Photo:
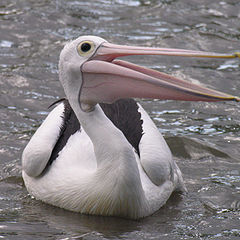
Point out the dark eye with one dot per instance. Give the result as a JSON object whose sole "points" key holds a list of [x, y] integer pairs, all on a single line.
{"points": [[85, 47]]}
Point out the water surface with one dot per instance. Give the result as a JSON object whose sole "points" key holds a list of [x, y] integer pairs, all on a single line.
{"points": [[204, 137]]}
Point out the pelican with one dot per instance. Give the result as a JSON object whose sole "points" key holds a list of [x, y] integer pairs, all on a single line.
{"points": [[98, 152]]}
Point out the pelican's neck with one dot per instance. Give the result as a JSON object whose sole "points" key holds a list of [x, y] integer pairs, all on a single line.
{"points": [[106, 138], [117, 178]]}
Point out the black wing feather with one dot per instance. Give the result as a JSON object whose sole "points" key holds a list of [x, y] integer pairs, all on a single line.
{"points": [[69, 127]]}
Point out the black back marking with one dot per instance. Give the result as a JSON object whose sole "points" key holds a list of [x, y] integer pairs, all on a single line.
{"points": [[123, 114]]}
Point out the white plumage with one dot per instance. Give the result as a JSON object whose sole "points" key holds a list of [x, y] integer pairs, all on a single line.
{"points": [[98, 171], [119, 185]]}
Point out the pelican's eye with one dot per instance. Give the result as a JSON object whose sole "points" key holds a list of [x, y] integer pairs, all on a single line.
{"points": [[85, 47]]}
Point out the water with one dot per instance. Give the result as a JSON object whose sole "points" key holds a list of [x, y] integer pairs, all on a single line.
{"points": [[204, 137]]}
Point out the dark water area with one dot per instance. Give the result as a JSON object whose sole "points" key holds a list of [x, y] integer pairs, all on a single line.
{"points": [[204, 137]]}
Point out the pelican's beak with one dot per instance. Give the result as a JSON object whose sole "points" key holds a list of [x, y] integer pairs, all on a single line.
{"points": [[106, 79]]}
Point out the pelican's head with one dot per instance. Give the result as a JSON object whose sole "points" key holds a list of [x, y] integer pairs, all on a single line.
{"points": [[90, 74], [72, 59]]}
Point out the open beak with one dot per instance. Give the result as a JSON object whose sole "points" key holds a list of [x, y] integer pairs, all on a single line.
{"points": [[107, 80]]}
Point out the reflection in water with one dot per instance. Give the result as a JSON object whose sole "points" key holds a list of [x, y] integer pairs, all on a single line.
{"points": [[106, 226], [203, 137]]}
